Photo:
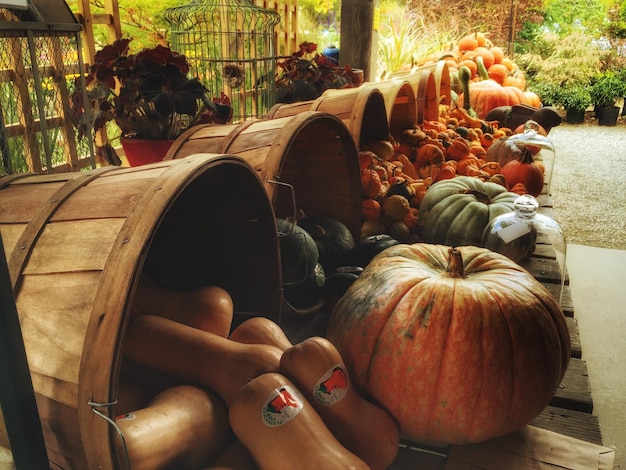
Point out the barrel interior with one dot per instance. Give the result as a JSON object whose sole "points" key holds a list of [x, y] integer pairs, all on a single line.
{"points": [[318, 173], [402, 111], [220, 231], [373, 122]]}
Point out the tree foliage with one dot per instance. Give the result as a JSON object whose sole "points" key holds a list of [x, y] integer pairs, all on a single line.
{"points": [[492, 17]]}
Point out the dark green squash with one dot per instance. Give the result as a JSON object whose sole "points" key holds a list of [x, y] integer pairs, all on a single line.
{"points": [[368, 247], [333, 239], [298, 252], [307, 295]]}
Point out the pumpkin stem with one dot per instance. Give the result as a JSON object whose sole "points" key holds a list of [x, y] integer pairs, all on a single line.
{"points": [[479, 195], [455, 264], [527, 156]]}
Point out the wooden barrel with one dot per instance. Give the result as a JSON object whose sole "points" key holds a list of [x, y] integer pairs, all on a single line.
{"points": [[76, 245], [364, 110], [441, 71], [430, 91], [400, 103], [361, 109], [426, 93], [308, 161]]}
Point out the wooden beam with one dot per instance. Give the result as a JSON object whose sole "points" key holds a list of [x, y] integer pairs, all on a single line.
{"points": [[357, 35], [19, 408]]}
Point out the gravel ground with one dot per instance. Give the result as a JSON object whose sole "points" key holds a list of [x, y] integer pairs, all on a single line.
{"points": [[589, 183]]}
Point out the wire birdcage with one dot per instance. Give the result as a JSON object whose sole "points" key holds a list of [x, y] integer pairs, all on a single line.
{"points": [[230, 46]]}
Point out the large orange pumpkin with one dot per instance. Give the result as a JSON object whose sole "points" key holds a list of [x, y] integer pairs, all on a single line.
{"points": [[489, 94], [458, 345]]}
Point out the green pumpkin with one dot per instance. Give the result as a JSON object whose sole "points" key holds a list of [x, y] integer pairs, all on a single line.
{"points": [[334, 240], [455, 212], [298, 252]]}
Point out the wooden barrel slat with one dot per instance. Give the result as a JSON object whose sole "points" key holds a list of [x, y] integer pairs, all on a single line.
{"points": [[280, 110], [88, 251], [361, 109], [93, 204], [199, 138], [11, 179], [35, 226], [427, 103], [19, 205], [75, 290]]}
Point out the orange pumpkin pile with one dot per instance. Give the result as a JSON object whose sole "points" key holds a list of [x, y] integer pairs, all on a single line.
{"points": [[495, 79], [408, 164]]}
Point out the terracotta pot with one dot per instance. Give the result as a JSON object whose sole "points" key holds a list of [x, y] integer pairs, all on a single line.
{"points": [[142, 151]]}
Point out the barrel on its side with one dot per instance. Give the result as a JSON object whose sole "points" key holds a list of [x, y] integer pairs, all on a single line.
{"points": [[76, 245]]}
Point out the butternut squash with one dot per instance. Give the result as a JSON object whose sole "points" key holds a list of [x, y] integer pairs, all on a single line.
{"points": [[261, 330], [183, 427], [208, 308], [131, 395], [198, 357], [235, 457], [317, 369], [282, 430]]}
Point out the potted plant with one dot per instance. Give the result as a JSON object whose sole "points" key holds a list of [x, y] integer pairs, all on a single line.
{"points": [[306, 74], [148, 95], [605, 90], [575, 99]]}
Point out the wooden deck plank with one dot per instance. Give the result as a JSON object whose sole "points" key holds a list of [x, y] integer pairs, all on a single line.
{"points": [[572, 327], [574, 392], [577, 424]]}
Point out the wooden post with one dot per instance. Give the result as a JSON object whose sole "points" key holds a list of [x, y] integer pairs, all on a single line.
{"points": [[17, 397], [357, 23]]}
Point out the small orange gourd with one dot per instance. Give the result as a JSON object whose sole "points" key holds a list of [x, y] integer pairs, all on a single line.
{"points": [[410, 220], [498, 72], [282, 430], [371, 183], [370, 209], [429, 153], [468, 43], [498, 54], [459, 149], [486, 54]]}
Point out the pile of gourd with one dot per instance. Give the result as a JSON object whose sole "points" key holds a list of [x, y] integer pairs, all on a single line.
{"points": [[399, 177], [397, 174]]}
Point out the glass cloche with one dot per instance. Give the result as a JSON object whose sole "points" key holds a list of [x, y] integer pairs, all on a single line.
{"points": [[523, 232], [540, 146]]}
